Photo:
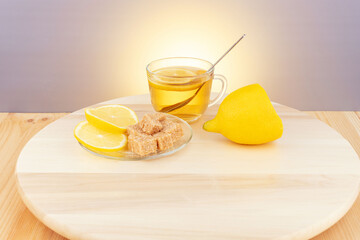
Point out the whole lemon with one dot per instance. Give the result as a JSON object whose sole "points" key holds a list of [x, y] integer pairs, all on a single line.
{"points": [[247, 116]]}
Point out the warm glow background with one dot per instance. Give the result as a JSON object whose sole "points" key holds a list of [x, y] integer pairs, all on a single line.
{"points": [[63, 55]]}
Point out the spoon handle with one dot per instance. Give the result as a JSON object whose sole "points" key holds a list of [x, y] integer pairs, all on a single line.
{"points": [[186, 101], [226, 52]]}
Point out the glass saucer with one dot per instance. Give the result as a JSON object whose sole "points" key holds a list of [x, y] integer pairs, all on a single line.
{"points": [[128, 155]]}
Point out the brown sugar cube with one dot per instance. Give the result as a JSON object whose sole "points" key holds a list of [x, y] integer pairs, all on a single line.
{"points": [[159, 116], [135, 130], [174, 129], [150, 125], [164, 140], [142, 145]]}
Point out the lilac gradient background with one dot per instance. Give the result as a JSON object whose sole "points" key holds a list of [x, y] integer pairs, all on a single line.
{"points": [[58, 56]]}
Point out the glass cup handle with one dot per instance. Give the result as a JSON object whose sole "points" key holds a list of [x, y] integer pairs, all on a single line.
{"points": [[223, 81]]}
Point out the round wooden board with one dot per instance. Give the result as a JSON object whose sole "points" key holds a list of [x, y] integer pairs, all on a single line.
{"points": [[293, 188]]}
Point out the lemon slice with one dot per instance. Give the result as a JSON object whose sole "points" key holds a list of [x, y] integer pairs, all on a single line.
{"points": [[177, 79], [111, 118], [99, 140], [174, 76], [176, 87], [175, 72]]}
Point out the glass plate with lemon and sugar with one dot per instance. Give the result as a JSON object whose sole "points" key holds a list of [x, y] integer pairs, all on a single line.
{"points": [[115, 131]]}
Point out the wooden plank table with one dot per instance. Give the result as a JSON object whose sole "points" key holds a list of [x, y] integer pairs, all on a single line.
{"points": [[16, 222]]}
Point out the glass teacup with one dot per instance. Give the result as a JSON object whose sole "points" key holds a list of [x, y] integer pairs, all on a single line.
{"points": [[182, 85]]}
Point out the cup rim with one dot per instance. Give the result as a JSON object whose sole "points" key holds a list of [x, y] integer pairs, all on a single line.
{"points": [[160, 59]]}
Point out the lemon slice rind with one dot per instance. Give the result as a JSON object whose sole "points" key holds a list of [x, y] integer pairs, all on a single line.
{"points": [[93, 147]]}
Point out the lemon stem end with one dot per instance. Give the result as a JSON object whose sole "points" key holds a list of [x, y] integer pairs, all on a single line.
{"points": [[210, 126]]}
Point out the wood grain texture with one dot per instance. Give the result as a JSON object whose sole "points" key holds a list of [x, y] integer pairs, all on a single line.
{"points": [[348, 125], [293, 188], [16, 222]]}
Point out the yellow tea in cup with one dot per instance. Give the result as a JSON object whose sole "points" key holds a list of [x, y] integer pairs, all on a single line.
{"points": [[178, 84], [181, 90]]}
